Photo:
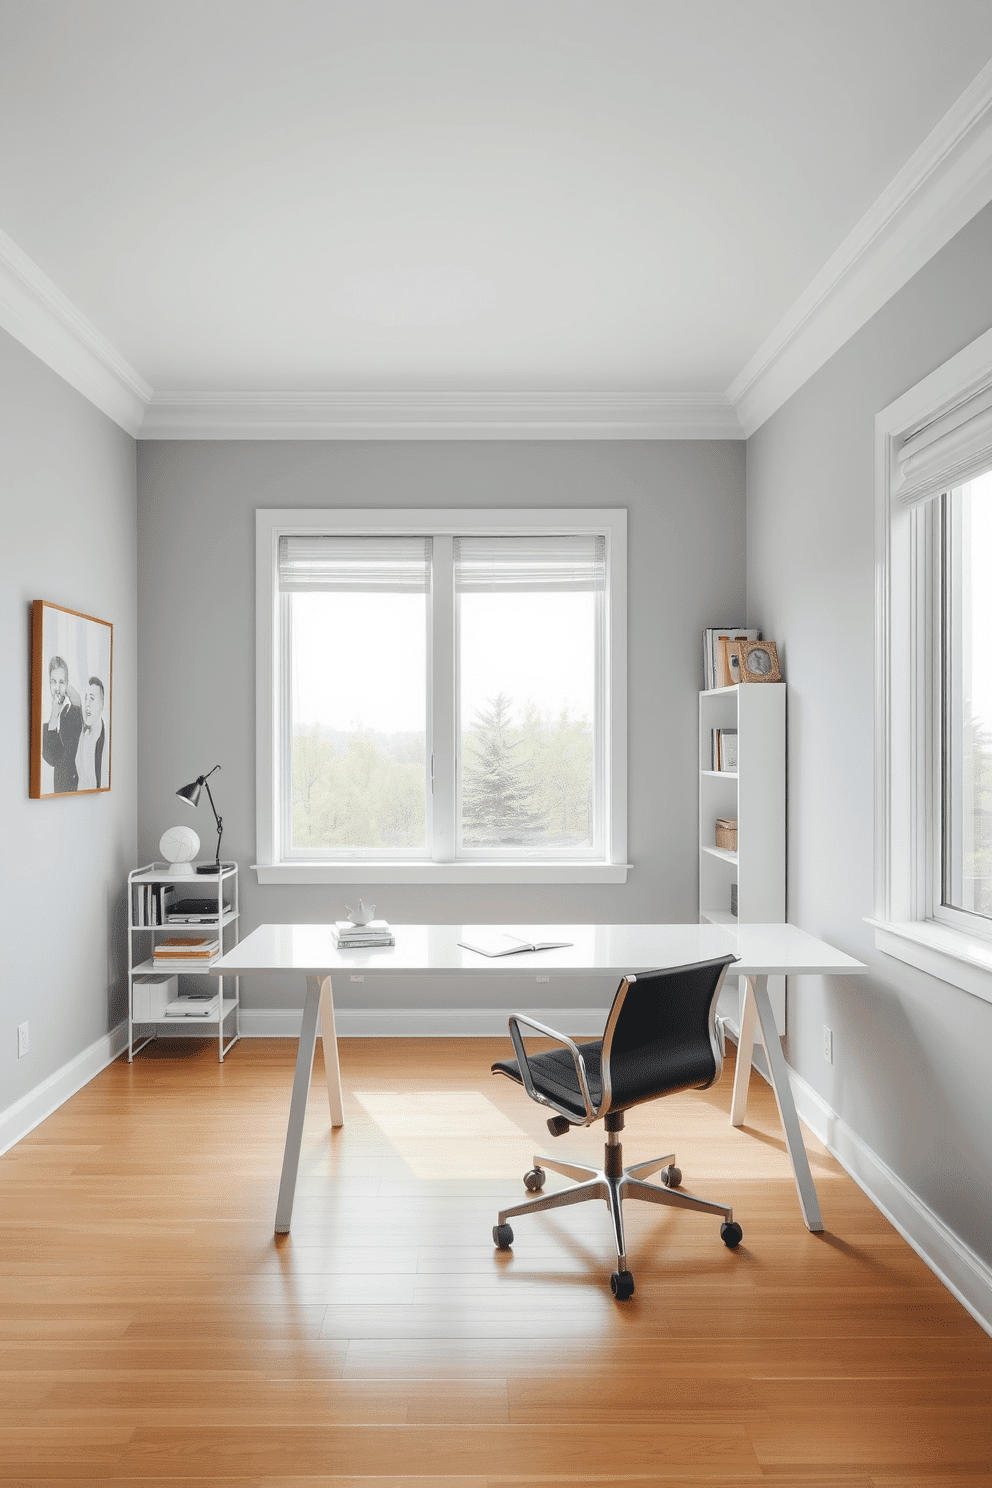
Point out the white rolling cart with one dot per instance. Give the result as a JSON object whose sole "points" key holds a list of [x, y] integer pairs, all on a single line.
{"points": [[754, 796], [142, 939]]}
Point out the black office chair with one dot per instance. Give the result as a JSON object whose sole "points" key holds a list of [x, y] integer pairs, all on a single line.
{"points": [[660, 1037]]}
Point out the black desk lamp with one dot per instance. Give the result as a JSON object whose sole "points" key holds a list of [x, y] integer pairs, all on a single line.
{"points": [[191, 795]]}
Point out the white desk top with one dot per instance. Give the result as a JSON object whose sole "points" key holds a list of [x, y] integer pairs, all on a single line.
{"points": [[609, 949]]}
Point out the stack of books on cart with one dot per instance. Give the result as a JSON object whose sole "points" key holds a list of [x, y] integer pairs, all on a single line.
{"points": [[348, 936], [186, 953]]}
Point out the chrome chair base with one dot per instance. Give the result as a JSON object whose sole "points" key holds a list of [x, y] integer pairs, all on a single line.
{"points": [[613, 1183]]}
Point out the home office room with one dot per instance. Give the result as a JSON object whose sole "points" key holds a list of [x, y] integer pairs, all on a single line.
{"points": [[497, 505]]}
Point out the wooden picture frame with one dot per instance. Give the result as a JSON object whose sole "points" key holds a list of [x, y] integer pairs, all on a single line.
{"points": [[759, 661], [72, 662]]}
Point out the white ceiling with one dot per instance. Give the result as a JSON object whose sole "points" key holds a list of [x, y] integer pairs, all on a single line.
{"points": [[457, 196]]}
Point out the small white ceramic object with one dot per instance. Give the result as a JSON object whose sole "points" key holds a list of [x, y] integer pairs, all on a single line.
{"points": [[179, 846], [362, 914]]}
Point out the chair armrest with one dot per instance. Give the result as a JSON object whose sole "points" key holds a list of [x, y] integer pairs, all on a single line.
{"points": [[580, 1066]]}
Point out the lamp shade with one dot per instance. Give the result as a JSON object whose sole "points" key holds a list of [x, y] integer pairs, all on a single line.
{"points": [[191, 793]]}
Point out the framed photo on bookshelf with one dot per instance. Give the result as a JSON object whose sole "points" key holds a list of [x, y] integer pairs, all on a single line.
{"points": [[759, 661], [71, 683]]}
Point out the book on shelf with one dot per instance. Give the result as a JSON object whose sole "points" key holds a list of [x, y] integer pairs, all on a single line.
{"points": [[195, 911], [502, 943], [726, 749], [186, 951], [161, 897], [179, 943], [717, 662], [193, 1007]]}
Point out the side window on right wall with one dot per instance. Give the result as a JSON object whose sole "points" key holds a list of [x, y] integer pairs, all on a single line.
{"points": [[933, 673], [965, 774]]}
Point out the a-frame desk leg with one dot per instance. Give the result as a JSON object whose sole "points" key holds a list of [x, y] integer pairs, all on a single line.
{"points": [[319, 999], [756, 1004]]}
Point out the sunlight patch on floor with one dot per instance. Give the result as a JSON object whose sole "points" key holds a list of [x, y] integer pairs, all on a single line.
{"points": [[471, 1136]]}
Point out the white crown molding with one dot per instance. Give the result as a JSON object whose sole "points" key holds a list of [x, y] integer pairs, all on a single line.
{"points": [[446, 415], [939, 189], [36, 313]]}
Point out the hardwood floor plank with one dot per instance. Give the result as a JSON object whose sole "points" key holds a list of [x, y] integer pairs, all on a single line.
{"points": [[428, 1450]]}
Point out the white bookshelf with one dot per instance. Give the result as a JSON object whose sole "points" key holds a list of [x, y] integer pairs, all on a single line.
{"points": [[754, 796], [142, 937]]}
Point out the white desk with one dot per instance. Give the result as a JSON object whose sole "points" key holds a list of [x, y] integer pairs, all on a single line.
{"points": [[607, 950]]}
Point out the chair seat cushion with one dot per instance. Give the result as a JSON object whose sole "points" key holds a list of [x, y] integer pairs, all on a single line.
{"points": [[554, 1075]]}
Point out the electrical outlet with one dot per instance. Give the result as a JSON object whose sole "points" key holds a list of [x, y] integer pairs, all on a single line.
{"points": [[542, 979], [22, 1040], [828, 1044], [357, 978]]}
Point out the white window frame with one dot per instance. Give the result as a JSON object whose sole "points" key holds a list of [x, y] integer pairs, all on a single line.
{"points": [[270, 525], [935, 437]]}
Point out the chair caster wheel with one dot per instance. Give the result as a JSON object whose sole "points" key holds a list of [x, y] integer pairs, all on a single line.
{"points": [[534, 1180], [502, 1237], [622, 1285], [671, 1176], [731, 1233]]}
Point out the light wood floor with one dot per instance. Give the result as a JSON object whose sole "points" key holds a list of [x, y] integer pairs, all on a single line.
{"points": [[152, 1329]]}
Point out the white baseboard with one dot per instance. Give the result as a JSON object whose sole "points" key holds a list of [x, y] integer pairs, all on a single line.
{"points": [[962, 1271], [421, 1022], [28, 1112]]}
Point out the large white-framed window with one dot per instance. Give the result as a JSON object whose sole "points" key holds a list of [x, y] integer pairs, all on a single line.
{"points": [[441, 696], [933, 714]]}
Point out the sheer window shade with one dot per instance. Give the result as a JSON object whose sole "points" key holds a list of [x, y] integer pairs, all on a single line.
{"points": [[393, 565], [485, 565], [945, 452]]}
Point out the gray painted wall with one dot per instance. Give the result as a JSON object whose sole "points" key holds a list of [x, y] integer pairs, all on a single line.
{"points": [[196, 510], [910, 1071], [67, 508]]}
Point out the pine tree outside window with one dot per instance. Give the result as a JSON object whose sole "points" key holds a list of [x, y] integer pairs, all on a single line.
{"points": [[529, 644]]}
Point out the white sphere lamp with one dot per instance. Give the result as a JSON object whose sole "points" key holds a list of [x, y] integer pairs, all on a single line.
{"points": [[179, 846]]}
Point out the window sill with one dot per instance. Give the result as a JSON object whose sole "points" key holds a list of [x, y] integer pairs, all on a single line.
{"points": [[963, 960], [441, 873]]}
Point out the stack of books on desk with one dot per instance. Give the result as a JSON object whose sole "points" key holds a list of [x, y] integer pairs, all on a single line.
{"points": [[185, 953], [348, 935]]}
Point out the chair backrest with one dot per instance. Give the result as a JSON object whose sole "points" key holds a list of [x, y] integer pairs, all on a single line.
{"points": [[661, 1034]]}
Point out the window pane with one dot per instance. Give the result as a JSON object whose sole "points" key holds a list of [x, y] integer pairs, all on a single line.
{"points": [[527, 711], [967, 693], [358, 709]]}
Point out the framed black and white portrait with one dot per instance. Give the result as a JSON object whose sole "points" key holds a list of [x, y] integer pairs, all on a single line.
{"points": [[71, 679]]}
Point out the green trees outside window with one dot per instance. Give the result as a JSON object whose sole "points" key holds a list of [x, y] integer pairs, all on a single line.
{"points": [[525, 784]]}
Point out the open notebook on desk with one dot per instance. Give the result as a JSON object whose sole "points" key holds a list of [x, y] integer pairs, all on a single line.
{"points": [[502, 943]]}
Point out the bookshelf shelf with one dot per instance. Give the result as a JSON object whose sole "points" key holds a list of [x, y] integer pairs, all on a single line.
{"points": [[190, 927], [721, 852], [159, 968], [229, 1006], [148, 923]]}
